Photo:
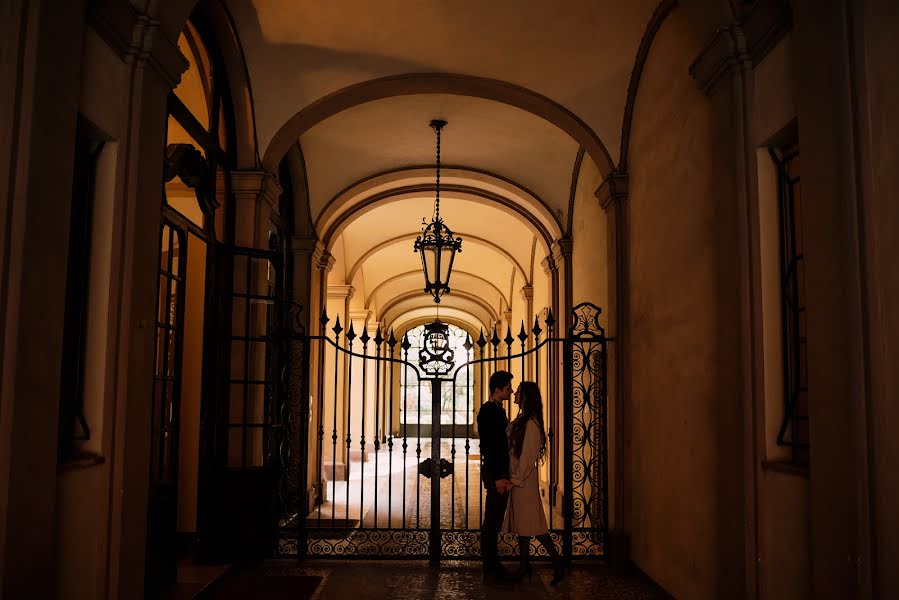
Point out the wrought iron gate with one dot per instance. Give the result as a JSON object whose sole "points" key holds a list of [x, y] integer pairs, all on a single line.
{"points": [[376, 492]]}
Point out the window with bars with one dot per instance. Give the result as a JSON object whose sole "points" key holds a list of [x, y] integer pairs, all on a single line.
{"points": [[794, 428], [73, 426], [251, 379]]}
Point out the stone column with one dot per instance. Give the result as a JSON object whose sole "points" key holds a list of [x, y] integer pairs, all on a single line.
{"points": [[612, 194], [553, 364], [359, 319], [333, 415], [527, 294], [256, 196], [306, 254]]}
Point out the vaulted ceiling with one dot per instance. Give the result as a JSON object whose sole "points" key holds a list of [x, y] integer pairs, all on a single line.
{"points": [[526, 86]]}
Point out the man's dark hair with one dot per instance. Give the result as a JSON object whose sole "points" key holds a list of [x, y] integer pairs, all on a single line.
{"points": [[499, 380]]}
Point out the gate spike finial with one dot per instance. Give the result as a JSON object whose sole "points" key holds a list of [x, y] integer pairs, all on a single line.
{"points": [[324, 318], [537, 330], [406, 344], [495, 339], [351, 333], [522, 336], [378, 337], [550, 320], [481, 341], [337, 328], [391, 341], [364, 337], [467, 343], [509, 339]]}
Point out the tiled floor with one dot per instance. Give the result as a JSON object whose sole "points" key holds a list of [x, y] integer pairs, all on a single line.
{"points": [[409, 580]]}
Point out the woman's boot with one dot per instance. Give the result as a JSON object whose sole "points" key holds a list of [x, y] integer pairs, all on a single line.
{"points": [[524, 550], [558, 566]]}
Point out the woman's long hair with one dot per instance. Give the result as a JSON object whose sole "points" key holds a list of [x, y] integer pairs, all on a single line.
{"points": [[531, 408]]}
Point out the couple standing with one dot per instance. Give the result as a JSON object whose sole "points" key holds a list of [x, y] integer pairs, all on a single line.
{"points": [[510, 454]]}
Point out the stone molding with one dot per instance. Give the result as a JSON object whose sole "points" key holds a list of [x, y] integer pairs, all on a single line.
{"points": [[341, 291], [256, 185], [300, 246], [360, 314], [742, 44], [612, 190], [137, 39], [527, 293], [548, 264]]}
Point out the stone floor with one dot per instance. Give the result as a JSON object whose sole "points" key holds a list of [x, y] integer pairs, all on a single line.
{"points": [[386, 490], [407, 580]]}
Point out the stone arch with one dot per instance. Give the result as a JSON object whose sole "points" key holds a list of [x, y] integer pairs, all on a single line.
{"points": [[438, 83]]}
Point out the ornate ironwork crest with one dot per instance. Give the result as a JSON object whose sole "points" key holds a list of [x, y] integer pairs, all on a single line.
{"points": [[436, 357]]}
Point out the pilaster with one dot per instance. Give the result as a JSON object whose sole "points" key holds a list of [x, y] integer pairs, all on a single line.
{"points": [[255, 199]]}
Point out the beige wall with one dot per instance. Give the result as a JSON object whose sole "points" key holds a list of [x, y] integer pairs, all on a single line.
{"points": [[588, 233], [682, 434]]}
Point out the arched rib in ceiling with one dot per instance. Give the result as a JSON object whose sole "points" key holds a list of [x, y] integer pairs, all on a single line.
{"points": [[420, 179], [409, 239], [483, 262], [456, 183], [423, 315], [417, 278], [447, 193], [459, 300]]}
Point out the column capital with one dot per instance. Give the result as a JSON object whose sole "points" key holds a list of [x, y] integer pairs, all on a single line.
{"points": [[311, 245], [561, 251], [548, 264], [325, 262], [742, 44], [254, 184], [527, 293], [341, 291], [360, 314], [612, 190]]}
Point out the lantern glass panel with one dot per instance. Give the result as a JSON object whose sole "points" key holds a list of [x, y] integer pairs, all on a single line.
{"points": [[446, 262], [429, 260]]}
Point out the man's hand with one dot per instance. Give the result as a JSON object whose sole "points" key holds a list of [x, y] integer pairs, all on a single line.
{"points": [[503, 486]]}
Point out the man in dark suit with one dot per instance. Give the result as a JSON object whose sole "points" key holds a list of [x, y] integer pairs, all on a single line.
{"points": [[492, 423]]}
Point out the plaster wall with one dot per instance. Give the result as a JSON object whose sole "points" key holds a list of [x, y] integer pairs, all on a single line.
{"points": [[682, 432], [879, 229], [589, 262], [519, 316]]}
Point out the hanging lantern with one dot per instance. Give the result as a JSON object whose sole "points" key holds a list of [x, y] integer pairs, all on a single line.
{"points": [[437, 244]]}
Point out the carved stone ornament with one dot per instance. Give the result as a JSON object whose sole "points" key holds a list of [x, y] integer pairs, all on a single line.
{"points": [[188, 164]]}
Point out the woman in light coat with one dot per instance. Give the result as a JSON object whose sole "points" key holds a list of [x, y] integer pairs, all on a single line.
{"points": [[527, 448]]}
